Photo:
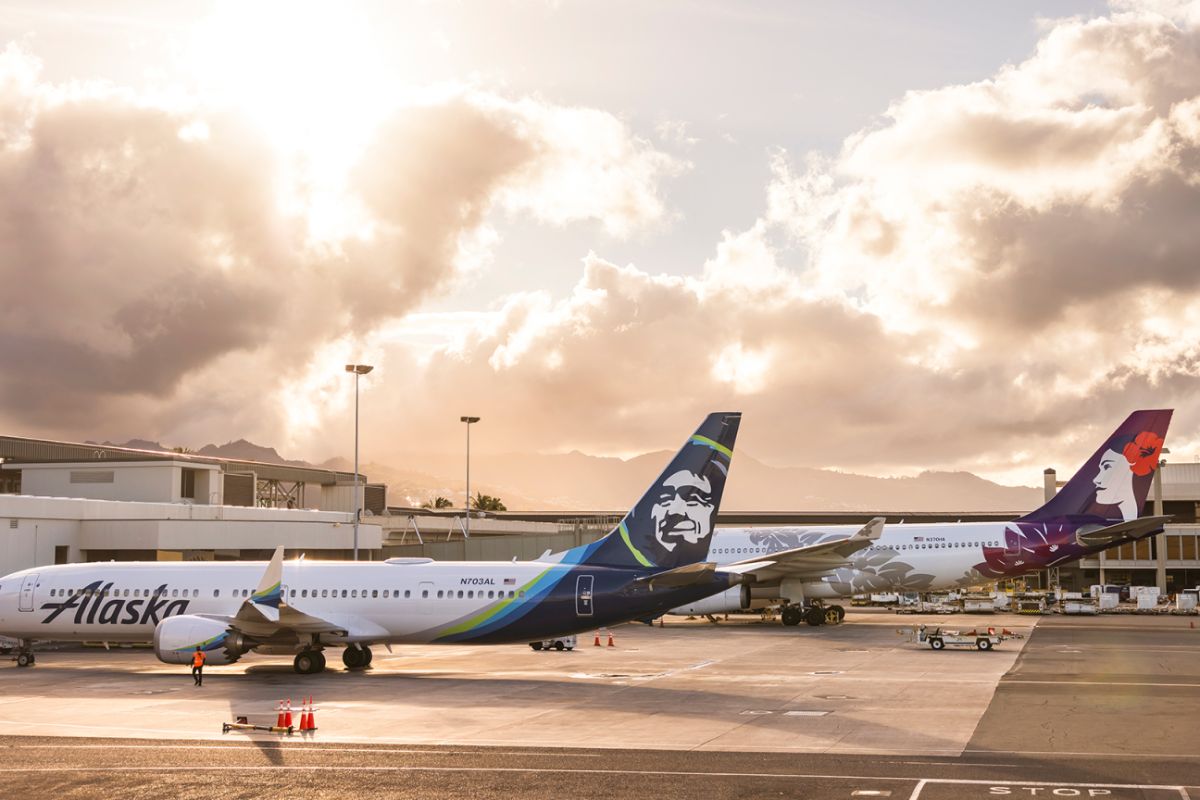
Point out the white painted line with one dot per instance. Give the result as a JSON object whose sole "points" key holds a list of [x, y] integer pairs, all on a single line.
{"points": [[917, 790], [1100, 683], [871, 793], [805, 713]]}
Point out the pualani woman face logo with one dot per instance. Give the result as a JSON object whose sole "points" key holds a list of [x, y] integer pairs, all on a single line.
{"points": [[683, 511], [1123, 459]]}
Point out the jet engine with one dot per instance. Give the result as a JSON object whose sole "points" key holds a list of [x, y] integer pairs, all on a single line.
{"points": [[176, 639]]}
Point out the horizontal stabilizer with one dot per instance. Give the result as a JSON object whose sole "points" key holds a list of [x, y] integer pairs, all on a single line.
{"points": [[1122, 531]]}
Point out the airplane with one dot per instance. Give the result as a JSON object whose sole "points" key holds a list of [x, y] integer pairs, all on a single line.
{"points": [[799, 568], [652, 561]]}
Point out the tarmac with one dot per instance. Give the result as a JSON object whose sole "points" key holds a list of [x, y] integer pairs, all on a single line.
{"points": [[1083, 707]]}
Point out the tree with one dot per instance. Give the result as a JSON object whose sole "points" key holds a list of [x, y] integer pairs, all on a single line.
{"points": [[485, 502], [437, 502]]}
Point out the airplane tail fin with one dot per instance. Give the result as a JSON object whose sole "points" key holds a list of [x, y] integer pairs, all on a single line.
{"points": [[1114, 482], [670, 526]]}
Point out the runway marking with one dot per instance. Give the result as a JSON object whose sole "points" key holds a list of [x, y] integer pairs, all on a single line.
{"points": [[1099, 683], [1182, 790], [920, 785], [301, 746]]}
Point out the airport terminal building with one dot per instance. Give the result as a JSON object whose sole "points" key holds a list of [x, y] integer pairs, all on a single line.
{"points": [[63, 502]]}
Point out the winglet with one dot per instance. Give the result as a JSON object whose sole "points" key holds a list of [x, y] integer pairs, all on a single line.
{"points": [[270, 588], [872, 530]]}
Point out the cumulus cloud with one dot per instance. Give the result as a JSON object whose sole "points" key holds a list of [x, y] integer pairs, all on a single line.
{"points": [[990, 277], [161, 267]]}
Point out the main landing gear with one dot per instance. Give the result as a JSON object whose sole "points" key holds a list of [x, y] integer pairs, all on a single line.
{"points": [[309, 662], [25, 656], [356, 656], [814, 615]]}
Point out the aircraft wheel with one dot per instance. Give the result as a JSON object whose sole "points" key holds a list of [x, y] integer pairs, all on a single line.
{"points": [[536, 645], [937, 644], [354, 658], [791, 615], [983, 644], [841, 613], [24, 660], [308, 662], [559, 646], [815, 616], [367, 656]]}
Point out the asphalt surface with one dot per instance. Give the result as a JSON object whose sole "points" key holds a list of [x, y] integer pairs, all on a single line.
{"points": [[1105, 707]]}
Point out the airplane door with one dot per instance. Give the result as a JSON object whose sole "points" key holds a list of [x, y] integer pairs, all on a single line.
{"points": [[27, 587], [425, 597], [583, 595]]}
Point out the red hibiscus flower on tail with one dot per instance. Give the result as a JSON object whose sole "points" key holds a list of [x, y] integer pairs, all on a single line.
{"points": [[1142, 453]]}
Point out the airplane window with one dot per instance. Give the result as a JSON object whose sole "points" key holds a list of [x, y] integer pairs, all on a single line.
{"points": [[195, 592], [216, 592], [343, 592], [491, 594], [439, 594], [324, 592], [460, 594], [406, 593], [511, 594], [424, 593], [293, 594], [353, 593], [52, 593], [304, 592], [521, 594], [174, 593]]}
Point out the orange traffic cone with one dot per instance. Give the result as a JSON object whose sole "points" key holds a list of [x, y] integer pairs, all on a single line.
{"points": [[287, 714], [610, 640], [279, 719], [597, 642], [312, 716], [303, 715]]}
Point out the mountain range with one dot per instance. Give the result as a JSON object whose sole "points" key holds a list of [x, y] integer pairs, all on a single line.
{"points": [[578, 482]]}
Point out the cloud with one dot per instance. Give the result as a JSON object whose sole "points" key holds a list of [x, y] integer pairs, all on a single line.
{"points": [[168, 269], [991, 277]]}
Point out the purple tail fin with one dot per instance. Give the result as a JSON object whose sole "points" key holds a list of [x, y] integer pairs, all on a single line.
{"points": [[1114, 482]]}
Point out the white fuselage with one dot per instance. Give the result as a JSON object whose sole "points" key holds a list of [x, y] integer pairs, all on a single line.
{"points": [[380, 602], [929, 557]]}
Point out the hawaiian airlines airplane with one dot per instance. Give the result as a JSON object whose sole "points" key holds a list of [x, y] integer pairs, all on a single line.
{"points": [[651, 562], [1097, 509]]}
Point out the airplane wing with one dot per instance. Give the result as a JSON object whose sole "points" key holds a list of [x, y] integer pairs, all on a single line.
{"points": [[1134, 528], [699, 572], [811, 561], [266, 613]]}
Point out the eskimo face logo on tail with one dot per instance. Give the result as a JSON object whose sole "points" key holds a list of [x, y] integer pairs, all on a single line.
{"points": [[1124, 458], [94, 606], [683, 510]]}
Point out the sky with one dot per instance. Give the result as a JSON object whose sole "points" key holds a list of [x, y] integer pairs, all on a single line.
{"points": [[898, 237]]}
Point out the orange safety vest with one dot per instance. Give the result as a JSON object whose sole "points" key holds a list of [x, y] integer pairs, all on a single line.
{"points": [[198, 659]]}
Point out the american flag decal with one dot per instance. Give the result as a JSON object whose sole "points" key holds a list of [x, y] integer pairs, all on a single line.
{"points": [[918, 538], [510, 581]]}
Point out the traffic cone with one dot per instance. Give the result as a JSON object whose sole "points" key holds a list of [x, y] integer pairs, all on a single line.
{"points": [[610, 640], [303, 715], [312, 716], [287, 714], [279, 719], [597, 642]]}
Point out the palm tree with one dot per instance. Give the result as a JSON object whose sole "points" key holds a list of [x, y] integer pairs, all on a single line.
{"points": [[485, 502], [437, 502]]}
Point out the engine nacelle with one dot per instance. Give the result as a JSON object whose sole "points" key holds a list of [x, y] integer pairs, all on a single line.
{"points": [[729, 601], [176, 639]]}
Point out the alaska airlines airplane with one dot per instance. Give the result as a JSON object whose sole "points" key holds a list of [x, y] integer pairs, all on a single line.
{"points": [[1097, 509], [651, 562]]}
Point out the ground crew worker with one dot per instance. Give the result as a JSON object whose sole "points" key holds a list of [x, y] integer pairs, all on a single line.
{"points": [[198, 659]]}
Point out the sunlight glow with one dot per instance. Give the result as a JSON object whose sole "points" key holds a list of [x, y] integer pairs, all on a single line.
{"points": [[310, 77]]}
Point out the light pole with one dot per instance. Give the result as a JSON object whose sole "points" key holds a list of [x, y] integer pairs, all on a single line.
{"points": [[469, 421], [357, 369], [1160, 541]]}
